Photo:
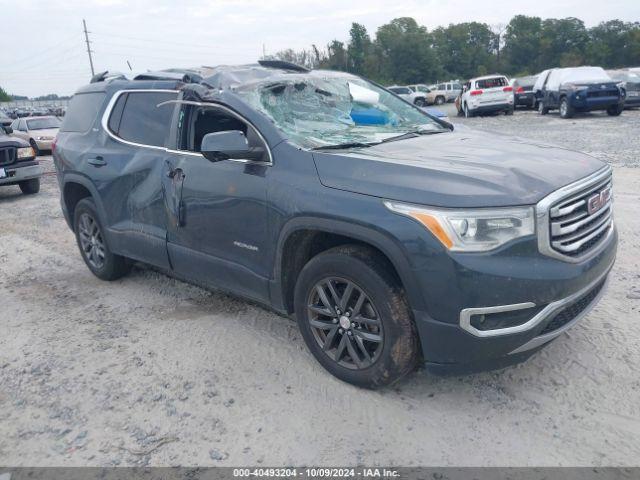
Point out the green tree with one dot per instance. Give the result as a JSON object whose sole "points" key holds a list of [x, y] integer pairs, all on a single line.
{"points": [[4, 96], [611, 44], [522, 44], [405, 52], [359, 49], [464, 49], [563, 42]]}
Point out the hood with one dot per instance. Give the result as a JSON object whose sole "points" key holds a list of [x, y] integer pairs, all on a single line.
{"points": [[458, 169], [9, 141]]}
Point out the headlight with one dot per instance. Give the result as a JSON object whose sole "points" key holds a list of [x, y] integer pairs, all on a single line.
{"points": [[25, 152], [471, 230]]}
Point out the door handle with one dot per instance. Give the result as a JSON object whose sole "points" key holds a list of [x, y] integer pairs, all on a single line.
{"points": [[97, 162]]}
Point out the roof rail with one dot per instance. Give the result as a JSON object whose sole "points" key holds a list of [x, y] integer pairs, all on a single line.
{"points": [[283, 65], [102, 76], [172, 74]]}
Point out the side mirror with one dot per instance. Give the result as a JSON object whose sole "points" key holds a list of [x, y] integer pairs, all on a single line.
{"points": [[218, 146], [8, 130]]}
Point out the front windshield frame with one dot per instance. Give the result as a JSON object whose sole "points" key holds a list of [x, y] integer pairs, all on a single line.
{"points": [[316, 110], [54, 123]]}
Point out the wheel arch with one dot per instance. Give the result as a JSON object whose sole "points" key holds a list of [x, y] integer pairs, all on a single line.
{"points": [[76, 187], [304, 237]]}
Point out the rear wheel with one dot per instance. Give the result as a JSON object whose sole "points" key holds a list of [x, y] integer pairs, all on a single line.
{"points": [[566, 110], [509, 111], [467, 112], [615, 110], [542, 110], [29, 187], [354, 318], [93, 245]]}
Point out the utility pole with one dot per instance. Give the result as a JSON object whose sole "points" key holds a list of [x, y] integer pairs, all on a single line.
{"points": [[86, 38]]}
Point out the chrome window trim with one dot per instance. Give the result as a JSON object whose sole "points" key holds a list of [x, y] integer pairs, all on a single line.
{"points": [[543, 216], [108, 110], [551, 308]]}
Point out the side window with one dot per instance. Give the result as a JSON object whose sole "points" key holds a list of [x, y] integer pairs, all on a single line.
{"points": [[14, 124], [82, 112], [142, 121], [22, 126], [195, 122], [441, 86]]}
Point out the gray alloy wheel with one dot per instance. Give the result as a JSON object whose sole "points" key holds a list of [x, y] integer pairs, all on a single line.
{"points": [[467, 112], [91, 241], [420, 102], [439, 100], [345, 323]]}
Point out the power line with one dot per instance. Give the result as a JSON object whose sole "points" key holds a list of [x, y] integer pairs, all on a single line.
{"points": [[86, 37]]}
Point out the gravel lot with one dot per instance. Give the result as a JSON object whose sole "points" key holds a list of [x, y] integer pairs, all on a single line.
{"points": [[152, 371]]}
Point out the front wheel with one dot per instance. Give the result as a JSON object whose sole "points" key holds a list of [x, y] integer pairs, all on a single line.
{"points": [[95, 252], [439, 100], [420, 102], [614, 110], [30, 187], [34, 145], [354, 318], [566, 110]]}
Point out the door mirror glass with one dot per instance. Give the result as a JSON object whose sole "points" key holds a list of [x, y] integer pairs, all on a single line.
{"points": [[231, 144]]}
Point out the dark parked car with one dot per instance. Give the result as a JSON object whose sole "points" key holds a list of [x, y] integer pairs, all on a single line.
{"points": [[389, 236], [5, 120], [630, 82], [18, 164], [523, 91], [580, 89]]}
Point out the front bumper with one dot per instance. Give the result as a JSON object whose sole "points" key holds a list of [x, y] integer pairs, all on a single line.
{"points": [[17, 174], [563, 292]]}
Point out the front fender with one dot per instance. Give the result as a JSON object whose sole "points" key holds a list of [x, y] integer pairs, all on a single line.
{"points": [[388, 245]]}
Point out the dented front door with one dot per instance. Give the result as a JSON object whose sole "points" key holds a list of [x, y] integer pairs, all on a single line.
{"points": [[218, 222]]}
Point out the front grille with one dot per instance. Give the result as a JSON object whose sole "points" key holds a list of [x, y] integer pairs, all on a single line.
{"points": [[7, 155], [572, 311], [580, 222], [602, 93]]}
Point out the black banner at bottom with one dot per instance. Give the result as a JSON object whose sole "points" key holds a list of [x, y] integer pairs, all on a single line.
{"points": [[409, 473]]}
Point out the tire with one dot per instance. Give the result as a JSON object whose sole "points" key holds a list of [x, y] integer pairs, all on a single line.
{"points": [[614, 110], [566, 110], [420, 102], [509, 111], [34, 145], [93, 245], [542, 110], [439, 100], [467, 113], [30, 187], [372, 353]]}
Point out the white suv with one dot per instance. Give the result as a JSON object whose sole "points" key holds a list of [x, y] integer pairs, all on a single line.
{"points": [[445, 92], [417, 98], [491, 93]]}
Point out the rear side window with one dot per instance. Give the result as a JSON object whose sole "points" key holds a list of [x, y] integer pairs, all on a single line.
{"points": [[492, 82], [137, 118], [82, 112]]}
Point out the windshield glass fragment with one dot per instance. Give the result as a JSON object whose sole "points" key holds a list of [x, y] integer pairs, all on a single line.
{"points": [[321, 110]]}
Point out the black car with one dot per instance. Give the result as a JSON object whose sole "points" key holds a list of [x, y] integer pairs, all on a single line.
{"points": [[580, 89], [18, 164], [391, 238], [523, 91], [630, 82]]}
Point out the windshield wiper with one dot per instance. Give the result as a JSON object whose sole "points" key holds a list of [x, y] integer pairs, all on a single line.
{"points": [[340, 146], [412, 134]]}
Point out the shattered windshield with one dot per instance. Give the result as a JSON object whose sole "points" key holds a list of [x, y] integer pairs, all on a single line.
{"points": [[317, 111]]}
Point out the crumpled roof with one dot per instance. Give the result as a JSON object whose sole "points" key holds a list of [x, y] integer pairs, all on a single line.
{"points": [[230, 76]]}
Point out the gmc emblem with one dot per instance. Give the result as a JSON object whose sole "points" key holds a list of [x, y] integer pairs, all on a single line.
{"points": [[599, 200]]}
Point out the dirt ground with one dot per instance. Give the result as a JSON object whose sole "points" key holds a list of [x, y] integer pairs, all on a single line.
{"points": [[152, 371]]}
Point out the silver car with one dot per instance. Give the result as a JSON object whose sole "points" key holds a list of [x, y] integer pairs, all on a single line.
{"points": [[40, 132]]}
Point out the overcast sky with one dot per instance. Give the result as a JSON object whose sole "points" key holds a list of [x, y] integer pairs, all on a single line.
{"points": [[43, 47]]}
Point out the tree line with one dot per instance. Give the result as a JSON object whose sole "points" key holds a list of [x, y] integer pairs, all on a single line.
{"points": [[404, 52]]}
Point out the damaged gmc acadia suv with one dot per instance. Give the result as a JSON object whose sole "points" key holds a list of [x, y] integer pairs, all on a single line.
{"points": [[392, 238]]}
